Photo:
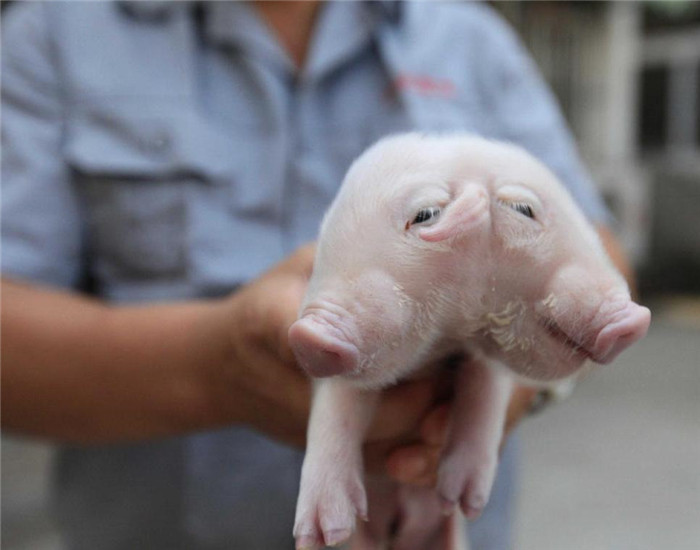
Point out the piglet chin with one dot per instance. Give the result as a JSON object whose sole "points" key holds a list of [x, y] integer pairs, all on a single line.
{"points": [[319, 351], [627, 326]]}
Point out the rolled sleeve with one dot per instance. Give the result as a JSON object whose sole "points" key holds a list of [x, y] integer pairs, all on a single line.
{"points": [[527, 113], [41, 228]]}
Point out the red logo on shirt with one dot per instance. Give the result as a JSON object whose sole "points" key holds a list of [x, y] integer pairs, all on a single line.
{"points": [[424, 85]]}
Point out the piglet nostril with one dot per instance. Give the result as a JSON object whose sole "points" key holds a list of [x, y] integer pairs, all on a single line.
{"points": [[628, 326], [320, 352]]}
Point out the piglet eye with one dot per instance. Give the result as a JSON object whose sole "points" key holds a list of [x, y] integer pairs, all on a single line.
{"points": [[524, 209], [425, 215]]}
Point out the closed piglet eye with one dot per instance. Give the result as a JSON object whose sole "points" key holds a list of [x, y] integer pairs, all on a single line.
{"points": [[524, 209], [425, 216], [520, 207]]}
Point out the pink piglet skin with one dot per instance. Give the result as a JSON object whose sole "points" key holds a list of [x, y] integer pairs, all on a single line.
{"points": [[436, 246]]}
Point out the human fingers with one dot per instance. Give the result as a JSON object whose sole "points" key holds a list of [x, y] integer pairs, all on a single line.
{"points": [[402, 408], [433, 429], [415, 464], [267, 307]]}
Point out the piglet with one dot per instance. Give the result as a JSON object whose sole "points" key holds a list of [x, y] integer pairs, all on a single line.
{"points": [[438, 246]]}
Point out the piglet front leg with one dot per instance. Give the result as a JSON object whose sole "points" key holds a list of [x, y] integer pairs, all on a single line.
{"points": [[332, 492], [468, 465]]}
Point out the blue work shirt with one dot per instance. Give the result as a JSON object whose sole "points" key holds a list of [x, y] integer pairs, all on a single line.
{"points": [[171, 151]]}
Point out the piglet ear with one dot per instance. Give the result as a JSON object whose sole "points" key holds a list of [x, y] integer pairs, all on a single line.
{"points": [[465, 214]]}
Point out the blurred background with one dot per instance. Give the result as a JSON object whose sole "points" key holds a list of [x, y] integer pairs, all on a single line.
{"points": [[617, 466], [627, 75]]}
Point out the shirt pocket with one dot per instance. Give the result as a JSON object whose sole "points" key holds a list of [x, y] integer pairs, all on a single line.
{"points": [[133, 169]]}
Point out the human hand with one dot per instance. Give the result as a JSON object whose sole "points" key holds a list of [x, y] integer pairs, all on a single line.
{"points": [[260, 376], [417, 463], [273, 395], [263, 381]]}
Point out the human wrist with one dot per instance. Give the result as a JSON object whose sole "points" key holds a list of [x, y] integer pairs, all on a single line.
{"points": [[197, 386], [221, 343]]}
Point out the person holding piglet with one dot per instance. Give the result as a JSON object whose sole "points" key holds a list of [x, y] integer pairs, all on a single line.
{"points": [[163, 163]]}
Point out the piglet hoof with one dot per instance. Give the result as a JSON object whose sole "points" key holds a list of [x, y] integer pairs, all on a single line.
{"points": [[326, 510], [465, 480]]}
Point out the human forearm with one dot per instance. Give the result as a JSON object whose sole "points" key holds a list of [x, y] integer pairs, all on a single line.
{"points": [[76, 369]]}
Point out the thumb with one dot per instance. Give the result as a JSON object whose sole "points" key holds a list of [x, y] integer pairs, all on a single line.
{"points": [[301, 261], [290, 280]]}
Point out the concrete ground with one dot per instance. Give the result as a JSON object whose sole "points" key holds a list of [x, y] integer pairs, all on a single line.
{"points": [[616, 467], [25, 522]]}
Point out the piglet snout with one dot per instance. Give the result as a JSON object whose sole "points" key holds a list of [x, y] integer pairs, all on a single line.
{"points": [[626, 327], [320, 349]]}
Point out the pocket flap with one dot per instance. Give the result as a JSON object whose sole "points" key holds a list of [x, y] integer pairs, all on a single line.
{"points": [[154, 143]]}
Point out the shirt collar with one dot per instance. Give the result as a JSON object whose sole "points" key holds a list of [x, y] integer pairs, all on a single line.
{"points": [[153, 11], [389, 9], [237, 24], [342, 30]]}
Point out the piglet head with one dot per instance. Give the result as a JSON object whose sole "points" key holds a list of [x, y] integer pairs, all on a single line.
{"points": [[381, 268], [553, 298], [346, 319], [435, 244], [584, 311]]}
